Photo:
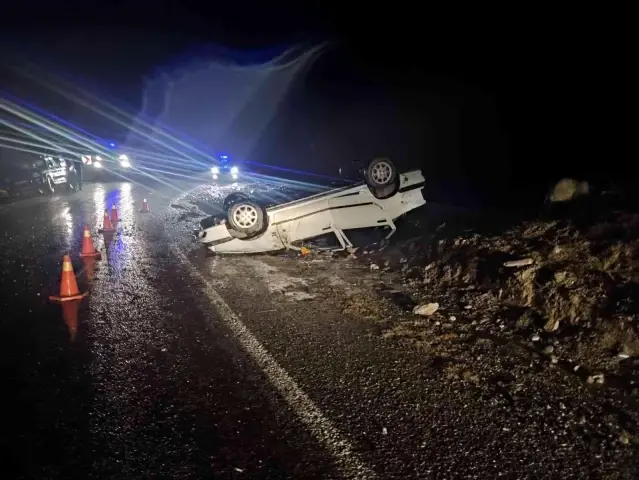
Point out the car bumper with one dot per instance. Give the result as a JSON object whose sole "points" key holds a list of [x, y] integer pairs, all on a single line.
{"points": [[225, 178]]}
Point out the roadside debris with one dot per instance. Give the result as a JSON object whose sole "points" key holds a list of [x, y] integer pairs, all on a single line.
{"points": [[426, 310], [519, 263], [598, 378], [569, 284]]}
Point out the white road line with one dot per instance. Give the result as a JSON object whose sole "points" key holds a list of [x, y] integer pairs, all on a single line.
{"points": [[347, 460]]}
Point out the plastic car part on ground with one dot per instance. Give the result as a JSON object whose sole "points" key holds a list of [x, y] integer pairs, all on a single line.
{"points": [[249, 227]]}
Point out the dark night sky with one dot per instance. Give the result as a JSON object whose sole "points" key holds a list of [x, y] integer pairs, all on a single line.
{"points": [[509, 100]]}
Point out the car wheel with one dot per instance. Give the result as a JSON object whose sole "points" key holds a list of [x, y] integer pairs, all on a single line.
{"points": [[234, 198], [247, 217], [381, 177], [380, 172]]}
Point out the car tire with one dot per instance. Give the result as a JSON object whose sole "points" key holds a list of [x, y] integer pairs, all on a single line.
{"points": [[234, 198], [381, 177], [247, 217], [380, 173]]}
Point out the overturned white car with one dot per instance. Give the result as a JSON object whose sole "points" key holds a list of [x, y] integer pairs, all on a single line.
{"points": [[248, 227]]}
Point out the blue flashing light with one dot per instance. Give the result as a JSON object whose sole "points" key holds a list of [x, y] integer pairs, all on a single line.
{"points": [[112, 145], [224, 157]]}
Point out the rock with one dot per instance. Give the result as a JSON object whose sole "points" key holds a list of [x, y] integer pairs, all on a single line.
{"points": [[551, 325], [566, 279], [352, 250], [567, 189], [598, 378], [426, 309], [535, 338], [624, 438], [374, 266], [549, 349], [519, 263], [524, 321], [630, 348]]}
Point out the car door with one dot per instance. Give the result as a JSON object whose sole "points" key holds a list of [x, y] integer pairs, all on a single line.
{"points": [[358, 209]]}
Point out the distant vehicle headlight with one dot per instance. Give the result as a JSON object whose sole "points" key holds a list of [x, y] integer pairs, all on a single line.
{"points": [[215, 170], [97, 164], [235, 170], [124, 161]]}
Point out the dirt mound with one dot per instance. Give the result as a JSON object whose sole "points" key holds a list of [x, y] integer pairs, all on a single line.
{"points": [[573, 276], [574, 281]]}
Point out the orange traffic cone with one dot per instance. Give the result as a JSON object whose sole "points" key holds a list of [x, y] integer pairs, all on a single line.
{"points": [[107, 226], [68, 285], [88, 250], [70, 316], [114, 214], [145, 207]]}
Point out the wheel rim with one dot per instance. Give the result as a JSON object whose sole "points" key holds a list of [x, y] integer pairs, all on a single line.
{"points": [[245, 216], [381, 173]]}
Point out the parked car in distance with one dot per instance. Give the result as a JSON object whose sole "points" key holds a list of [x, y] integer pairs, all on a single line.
{"points": [[226, 172], [36, 174]]}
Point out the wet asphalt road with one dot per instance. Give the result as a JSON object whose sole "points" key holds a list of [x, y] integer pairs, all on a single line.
{"points": [[143, 383], [182, 366]]}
